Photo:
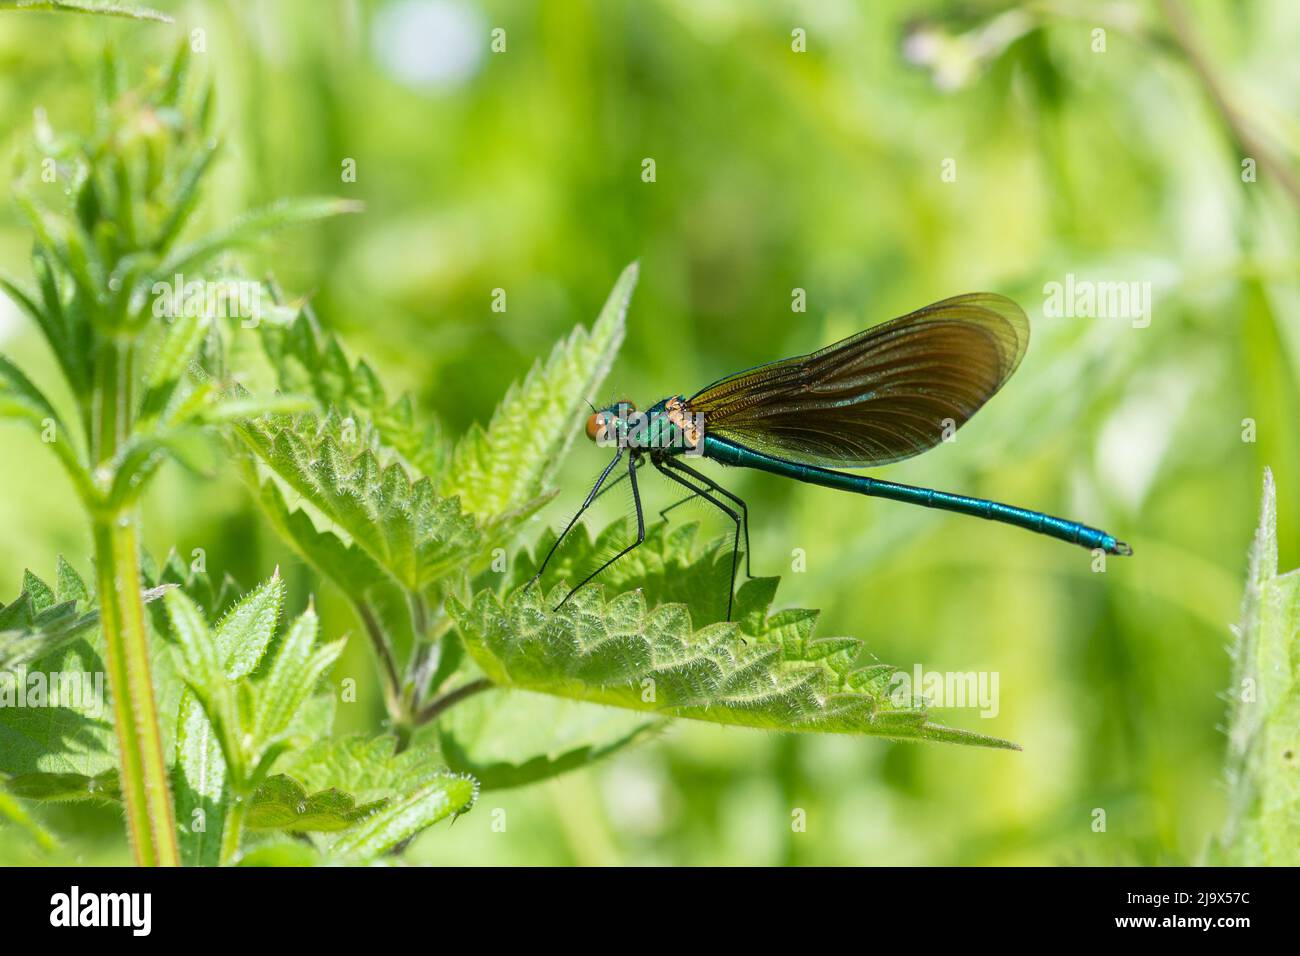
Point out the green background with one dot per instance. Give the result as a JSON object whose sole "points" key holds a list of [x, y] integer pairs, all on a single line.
{"points": [[776, 170]]}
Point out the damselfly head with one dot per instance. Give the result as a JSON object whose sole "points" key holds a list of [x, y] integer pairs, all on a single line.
{"points": [[600, 425]]}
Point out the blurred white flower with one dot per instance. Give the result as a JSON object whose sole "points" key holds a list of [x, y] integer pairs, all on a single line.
{"points": [[430, 45]]}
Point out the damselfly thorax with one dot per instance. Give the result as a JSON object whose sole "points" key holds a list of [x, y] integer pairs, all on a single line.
{"points": [[669, 428]]}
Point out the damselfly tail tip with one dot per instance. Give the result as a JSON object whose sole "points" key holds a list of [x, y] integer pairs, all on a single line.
{"points": [[1122, 549]]}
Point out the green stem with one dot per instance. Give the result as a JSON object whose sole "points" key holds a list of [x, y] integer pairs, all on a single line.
{"points": [[145, 788], [383, 650], [150, 819], [234, 828], [451, 699]]}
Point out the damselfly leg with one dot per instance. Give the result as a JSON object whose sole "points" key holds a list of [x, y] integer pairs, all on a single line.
{"points": [[640, 528], [669, 468], [591, 496], [714, 486]]}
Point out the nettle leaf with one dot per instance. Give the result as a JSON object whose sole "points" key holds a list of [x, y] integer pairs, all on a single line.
{"points": [[310, 361], [69, 585], [241, 713], [252, 717], [199, 777], [502, 473], [66, 787], [369, 768], [509, 738], [767, 670], [281, 803], [672, 565], [379, 797], [43, 619], [55, 716], [405, 816], [380, 520], [1263, 827], [26, 633], [212, 598]]}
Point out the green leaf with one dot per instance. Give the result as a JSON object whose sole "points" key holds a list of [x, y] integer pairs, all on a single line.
{"points": [[42, 594], [177, 350], [255, 225], [282, 852], [281, 803], [192, 578], [349, 567], [403, 792], [213, 751], [405, 817], [199, 785], [198, 650], [47, 322], [244, 634], [70, 586], [251, 715], [13, 811], [766, 671], [292, 677], [405, 528], [241, 712], [369, 768], [186, 196], [70, 733], [506, 738], [141, 455], [41, 621], [309, 359], [21, 399], [239, 409], [502, 471], [1263, 826], [109, 8], [66, 787], [199, 780]]}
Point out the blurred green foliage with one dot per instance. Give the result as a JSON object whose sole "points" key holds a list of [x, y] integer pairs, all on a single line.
{"points": [[775, 170]]}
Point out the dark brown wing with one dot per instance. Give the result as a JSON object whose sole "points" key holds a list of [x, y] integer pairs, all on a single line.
{"points": [[882, 395]]}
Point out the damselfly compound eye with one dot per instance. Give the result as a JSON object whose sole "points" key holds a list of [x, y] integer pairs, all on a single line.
{"points": [[596, 423]]}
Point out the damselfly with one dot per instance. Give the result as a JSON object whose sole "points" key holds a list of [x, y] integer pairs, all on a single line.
{"points": [[885, 394]]}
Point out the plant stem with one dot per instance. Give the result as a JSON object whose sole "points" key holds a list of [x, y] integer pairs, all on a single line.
{"points": [[392, 681], [234, 828], [450, 699], [1186, 40], [145, 789], [150, 819]]}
